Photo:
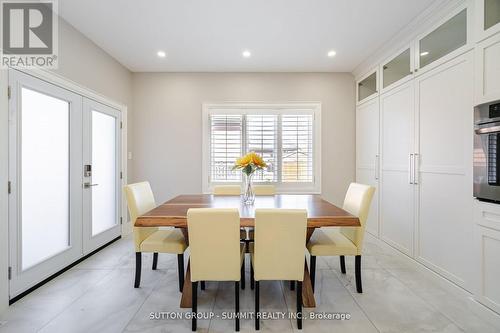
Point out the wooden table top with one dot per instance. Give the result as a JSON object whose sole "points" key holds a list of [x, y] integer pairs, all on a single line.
{"points": [[320, 213]]}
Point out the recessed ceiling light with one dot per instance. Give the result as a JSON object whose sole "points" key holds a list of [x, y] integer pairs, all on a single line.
{"points": [[332, 53], [246, 54], [161, 54], [423, 54]]}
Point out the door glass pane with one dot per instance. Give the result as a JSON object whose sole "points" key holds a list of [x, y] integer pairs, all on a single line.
{"points": [[397, 68], [367, 87], [446, 38], [44, 176], [103, 172], [491, 13]]}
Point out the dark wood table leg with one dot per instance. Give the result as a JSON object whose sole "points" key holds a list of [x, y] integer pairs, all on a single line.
{"points": [[186, 300], [307, 292], [186, 290]]}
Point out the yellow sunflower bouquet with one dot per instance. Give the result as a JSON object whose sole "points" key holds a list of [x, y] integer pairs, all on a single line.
{"points": [[250, 163]]}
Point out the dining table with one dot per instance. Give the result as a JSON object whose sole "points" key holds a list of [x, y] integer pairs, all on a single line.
{"points": [[320, 213]]}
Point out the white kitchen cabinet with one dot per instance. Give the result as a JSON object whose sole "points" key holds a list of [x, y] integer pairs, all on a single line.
{"points": [[444, 97], [367, 154], [397, 199], [488, 70], [487, 18], [367, 87], [446, 40], [397, 70], [487, 246]]}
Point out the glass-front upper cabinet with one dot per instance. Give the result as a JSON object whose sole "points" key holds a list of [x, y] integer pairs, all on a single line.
{"points": [[396, 69], [491, 13], [367, 87], [445, 39]]}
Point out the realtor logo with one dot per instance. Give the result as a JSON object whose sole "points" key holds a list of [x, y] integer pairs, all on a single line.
{"points": [[29, 33]]}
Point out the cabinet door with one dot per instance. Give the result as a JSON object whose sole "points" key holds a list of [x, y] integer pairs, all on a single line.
{"points": [[367, 152], [445, 100], [397, 151], [487, 247], [487, 18], [367, 88], [488, 70]]}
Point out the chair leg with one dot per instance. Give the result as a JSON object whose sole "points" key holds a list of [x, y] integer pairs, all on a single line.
{"points": [[252, 280], [194, 299], [242, 274], [357, 267], [342, 264], [180, 270], [299, 305], [202, 285], [155, 260], [237, 305], [257, 314], [292, 285], [313, 271], [138, 264]]}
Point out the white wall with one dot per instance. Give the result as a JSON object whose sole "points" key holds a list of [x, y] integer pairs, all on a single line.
{"points": [[82, 62], [167, 122]]}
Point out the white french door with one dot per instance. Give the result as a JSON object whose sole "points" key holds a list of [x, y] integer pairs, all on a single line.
{"points": [[101, 174], [54, 219]]}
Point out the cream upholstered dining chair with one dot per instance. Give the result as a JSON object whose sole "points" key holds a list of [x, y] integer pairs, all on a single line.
{"points": [[220, 257], [140, 200], [259, 190], [278, 251], [226, 190], [231, 190], [264, 189], [344, 241]]}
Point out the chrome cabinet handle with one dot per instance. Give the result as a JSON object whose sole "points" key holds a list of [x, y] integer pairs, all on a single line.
{"points": [[410, 172], [416, 175], [87, 185], [377, 166]]}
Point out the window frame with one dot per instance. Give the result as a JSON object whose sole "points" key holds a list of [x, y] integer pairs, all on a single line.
{"points": [[311, 108]]}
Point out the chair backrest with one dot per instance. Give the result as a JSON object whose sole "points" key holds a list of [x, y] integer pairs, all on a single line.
{"points": [[140, 200], [280, 240], [357, 202], [214, 240], [227, 190], [264, 189]]}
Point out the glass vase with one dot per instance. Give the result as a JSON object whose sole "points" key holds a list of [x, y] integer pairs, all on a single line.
{"points": [[248, 195]]}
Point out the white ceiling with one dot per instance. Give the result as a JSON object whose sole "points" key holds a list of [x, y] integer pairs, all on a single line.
{"points": [[210, 35]]}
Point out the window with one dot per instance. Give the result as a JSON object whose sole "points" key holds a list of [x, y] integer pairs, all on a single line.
{"points": [[287, 136]]}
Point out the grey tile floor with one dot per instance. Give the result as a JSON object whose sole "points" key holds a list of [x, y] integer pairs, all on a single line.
{"points": [[98, 296]]}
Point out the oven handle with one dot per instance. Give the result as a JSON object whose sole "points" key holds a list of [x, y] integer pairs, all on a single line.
{"points": [[491, 128]]}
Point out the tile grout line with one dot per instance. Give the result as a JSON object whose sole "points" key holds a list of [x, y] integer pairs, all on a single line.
{"points": [[430, 305], [286, 304], [356, 301], [76, 299], [144, 301]]}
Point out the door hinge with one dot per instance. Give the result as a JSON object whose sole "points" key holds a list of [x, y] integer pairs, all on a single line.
{"points": [[10, 273], [8, 92], [9, 187], [121, 220], [121, 124], [121, 175]]}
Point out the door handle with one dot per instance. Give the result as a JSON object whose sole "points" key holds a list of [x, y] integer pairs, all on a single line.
{"points": [[87, 185], [416, 176], [377, 166], [410, 172]]}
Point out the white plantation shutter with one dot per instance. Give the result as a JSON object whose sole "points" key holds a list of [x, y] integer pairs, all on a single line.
{"points": [[287, 136], [262, 138], [297, 148], [226, 134]]}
